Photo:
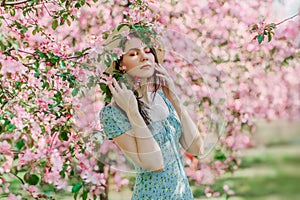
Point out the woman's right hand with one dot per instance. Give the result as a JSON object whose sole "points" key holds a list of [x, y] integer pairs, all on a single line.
{"points": [[123, 97]]}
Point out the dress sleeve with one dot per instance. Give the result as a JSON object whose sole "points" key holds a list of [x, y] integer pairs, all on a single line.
{"points": [[114, 121]]}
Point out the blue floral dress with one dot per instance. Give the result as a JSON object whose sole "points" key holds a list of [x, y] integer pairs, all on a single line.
{"points": [[172, 182]]}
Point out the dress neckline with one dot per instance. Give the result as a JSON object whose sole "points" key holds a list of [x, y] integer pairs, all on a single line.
{"points": [[165, 100]]}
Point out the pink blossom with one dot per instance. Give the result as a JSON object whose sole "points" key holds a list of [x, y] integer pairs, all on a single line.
{"points": [[31, 189], [26, 157], [51, 177], [8, 164], [57, 161], [93, 177], [9, 65], [123, 67], [13, 197], [5, 148], [228, 190], [61, 184], [119, 181], [107, 79]]}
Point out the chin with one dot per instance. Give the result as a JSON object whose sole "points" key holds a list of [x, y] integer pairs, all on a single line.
{"points": [[143, 74], [147, 74]]}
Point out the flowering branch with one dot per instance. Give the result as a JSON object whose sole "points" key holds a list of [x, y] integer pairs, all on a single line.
{"points": [[263, 29]]}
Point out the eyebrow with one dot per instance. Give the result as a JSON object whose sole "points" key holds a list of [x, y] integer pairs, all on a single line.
{"points": [[135, 49]]}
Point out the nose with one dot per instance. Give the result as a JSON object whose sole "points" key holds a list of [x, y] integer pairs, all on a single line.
{"points": [[143, 56]]}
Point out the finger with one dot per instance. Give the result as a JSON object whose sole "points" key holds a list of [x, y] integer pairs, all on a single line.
{"points": [[163, 80], [123, 86], [161, 70], [112, 89], [159, 66], [116, 84], [162, 76]]}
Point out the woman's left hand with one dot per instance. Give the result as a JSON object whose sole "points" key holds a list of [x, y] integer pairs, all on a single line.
{"points": [[168, 86]]}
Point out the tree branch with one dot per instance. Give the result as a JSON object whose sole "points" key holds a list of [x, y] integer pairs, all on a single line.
{"points": [[26, 52], [72, 57], [4, 3], [286, 19], [18, 178]]}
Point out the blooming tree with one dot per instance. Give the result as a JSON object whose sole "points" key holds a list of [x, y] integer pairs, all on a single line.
{"points": [[50, 134]]}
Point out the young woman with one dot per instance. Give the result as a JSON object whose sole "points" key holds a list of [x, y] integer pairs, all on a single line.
{"points": [[150, 124]]}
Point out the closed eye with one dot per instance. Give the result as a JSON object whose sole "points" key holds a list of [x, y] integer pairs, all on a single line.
{"points": [[133, 53], [136, 52]]}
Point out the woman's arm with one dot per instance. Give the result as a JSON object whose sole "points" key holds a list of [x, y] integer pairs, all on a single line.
{"points": [[191, 139], [138, 143]]}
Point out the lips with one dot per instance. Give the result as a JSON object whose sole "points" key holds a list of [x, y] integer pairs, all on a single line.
{"points": [[145, 66]]}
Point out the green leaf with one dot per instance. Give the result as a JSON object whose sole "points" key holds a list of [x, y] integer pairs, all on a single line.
{"points": [[120, 26], [75, 92], [43, 128], [63, 135], [11, 127], [77, 5], [107, 61], [78, 53], [114, 56], [41, 54], [71, 148], [54, 24], [36, 74], [34, 31], [105, 35], [260, 38], [76, 188], [31, 3], [269, 36], [63, 64], [54, 59], [85, 194], [31, 179], [68, 22], [103, 87], [24, 30], [220, 155], [62, 174], [43, 162], [12, 12], [107, 99], [20, 144]]}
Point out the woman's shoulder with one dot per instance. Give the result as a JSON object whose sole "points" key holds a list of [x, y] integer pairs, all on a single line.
{"points": [[113, 121], [112, 109]]}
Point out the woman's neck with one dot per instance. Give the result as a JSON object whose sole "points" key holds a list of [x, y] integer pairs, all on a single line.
{"points": [[146, 86], [143, 88], [143, 91]]}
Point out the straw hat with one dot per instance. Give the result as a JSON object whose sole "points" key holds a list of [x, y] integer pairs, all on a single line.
{"points": [[114, 39]]}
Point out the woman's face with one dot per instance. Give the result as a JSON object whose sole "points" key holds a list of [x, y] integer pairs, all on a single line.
{"points": [[138, 59]]}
